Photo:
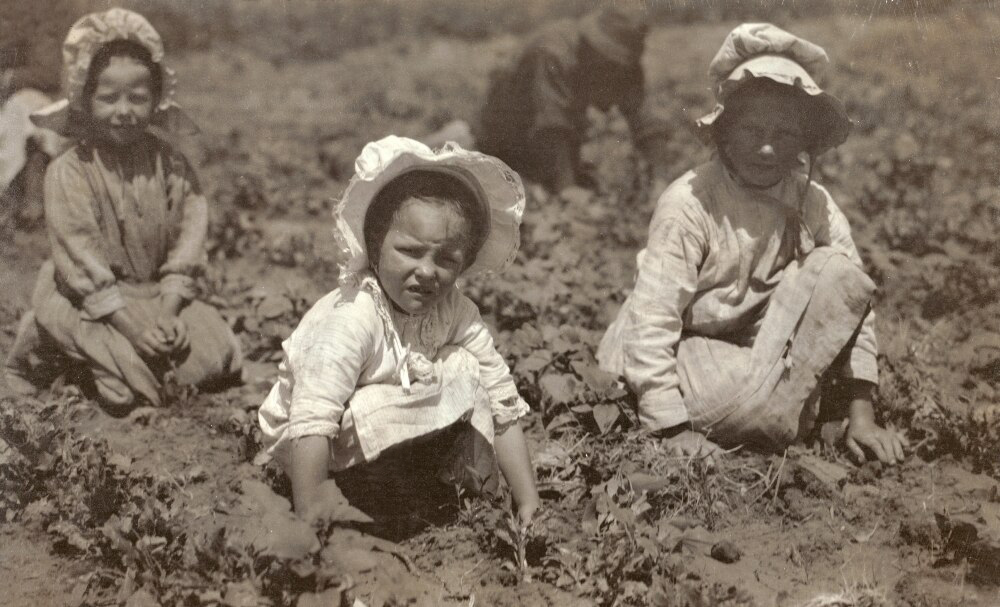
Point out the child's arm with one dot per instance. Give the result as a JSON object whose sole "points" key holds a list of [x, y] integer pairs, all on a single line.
{"points": [[513, 458], [310, 464], [863, 433], [515, 465], [186, 254], [79, 257], [325, 356]]}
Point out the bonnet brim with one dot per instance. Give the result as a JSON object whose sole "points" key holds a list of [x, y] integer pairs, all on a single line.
{"points": [[497, 185], [85, 38], [761, 50]]}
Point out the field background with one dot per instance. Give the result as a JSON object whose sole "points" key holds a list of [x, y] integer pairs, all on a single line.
{"points": [[168, 507]]}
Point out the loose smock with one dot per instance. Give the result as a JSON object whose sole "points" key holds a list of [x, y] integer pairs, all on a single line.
{"points": [[742, 295], [126, 228], [341, 376]]}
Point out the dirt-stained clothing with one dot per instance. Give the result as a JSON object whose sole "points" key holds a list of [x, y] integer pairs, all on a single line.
{"points": [[340, 377], [125, 228], [721, 266], [549, 88]]}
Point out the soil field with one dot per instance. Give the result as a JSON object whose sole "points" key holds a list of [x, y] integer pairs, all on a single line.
{"points": [[176, 506]]}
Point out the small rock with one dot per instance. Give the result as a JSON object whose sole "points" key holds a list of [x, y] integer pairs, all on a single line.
{"points": [[726, 552]]}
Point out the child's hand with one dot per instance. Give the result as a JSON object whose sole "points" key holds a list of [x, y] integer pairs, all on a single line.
{"points": [[526, 511], [174, 333], [888, 445], [151, 343]]}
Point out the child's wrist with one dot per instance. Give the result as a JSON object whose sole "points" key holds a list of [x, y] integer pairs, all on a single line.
{"points": [[861, 411]]}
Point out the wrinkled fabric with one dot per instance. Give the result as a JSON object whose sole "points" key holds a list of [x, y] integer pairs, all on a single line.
{"points": [[124, 230], [133, 217], [765, 395], [716, 254], [342, 352], [753, 39], [548, 88], [761, 50]]}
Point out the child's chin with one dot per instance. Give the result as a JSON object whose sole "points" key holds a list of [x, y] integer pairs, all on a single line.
{"points": [[413, 305], [118, 139]]}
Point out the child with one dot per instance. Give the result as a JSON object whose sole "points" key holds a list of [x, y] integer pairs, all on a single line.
{"points": [[127, 224], [750, 288], [397, 353]]}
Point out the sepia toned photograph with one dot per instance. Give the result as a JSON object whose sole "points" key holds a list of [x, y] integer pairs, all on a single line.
{"points": [[486, 303]]}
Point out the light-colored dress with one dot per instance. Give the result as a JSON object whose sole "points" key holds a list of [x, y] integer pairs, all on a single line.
{"points": [[370, 377], [124, 229], [741, 303]]}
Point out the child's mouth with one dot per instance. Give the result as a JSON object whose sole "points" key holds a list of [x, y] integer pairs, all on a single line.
{"points": [[421, 291]]}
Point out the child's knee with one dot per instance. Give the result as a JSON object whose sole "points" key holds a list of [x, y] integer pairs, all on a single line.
{"points": [[116, 397], [839, 272]]}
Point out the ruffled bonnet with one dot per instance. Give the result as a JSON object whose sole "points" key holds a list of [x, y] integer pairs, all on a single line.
{"points": [[84, 40], [762, 50], [497, 186]]}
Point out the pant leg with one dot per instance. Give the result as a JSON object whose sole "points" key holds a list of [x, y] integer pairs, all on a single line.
{"points": [[214, 357], [18, 368], [812, 316]]}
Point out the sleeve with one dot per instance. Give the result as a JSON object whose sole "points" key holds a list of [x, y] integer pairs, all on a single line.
{"points": [[325, 356], [471, 333], [835, 231], [550, 94], [666, 283], [77, 244], [186, 255], [634, 105]]}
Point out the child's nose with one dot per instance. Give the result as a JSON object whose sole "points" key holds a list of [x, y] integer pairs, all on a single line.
{"points": [[123, 111], [425, 270], [767, 149]]}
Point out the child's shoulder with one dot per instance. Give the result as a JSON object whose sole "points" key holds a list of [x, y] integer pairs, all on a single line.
{"points": [[688, 194], [174, 159], [347, 305], [71, 159]]}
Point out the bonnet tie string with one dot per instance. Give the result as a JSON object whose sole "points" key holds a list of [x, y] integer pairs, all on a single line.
{"points": [[402, 353]]}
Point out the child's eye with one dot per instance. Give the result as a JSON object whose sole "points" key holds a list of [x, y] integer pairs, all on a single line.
{"points": [[139, 98], [453, 259]]}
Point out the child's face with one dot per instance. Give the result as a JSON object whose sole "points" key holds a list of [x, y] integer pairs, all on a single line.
{"points": [[765, 137], [422, 255], [122, 103]]}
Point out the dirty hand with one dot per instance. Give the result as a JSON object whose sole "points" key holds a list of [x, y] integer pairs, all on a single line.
{"points": [[151, 343], [174, 331], [689, 443], [526, 513], [887, 444]]}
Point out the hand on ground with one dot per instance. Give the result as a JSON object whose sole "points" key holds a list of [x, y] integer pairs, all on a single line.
{"points": [[887, 444], [526, 513], [693, 444]]}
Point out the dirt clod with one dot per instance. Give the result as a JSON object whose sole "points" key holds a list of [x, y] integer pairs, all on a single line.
{"points": [[726, 552]]}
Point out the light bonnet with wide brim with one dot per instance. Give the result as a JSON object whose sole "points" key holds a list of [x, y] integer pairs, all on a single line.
{"points": [[497, 186], [762, 50], [84, 40]]}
